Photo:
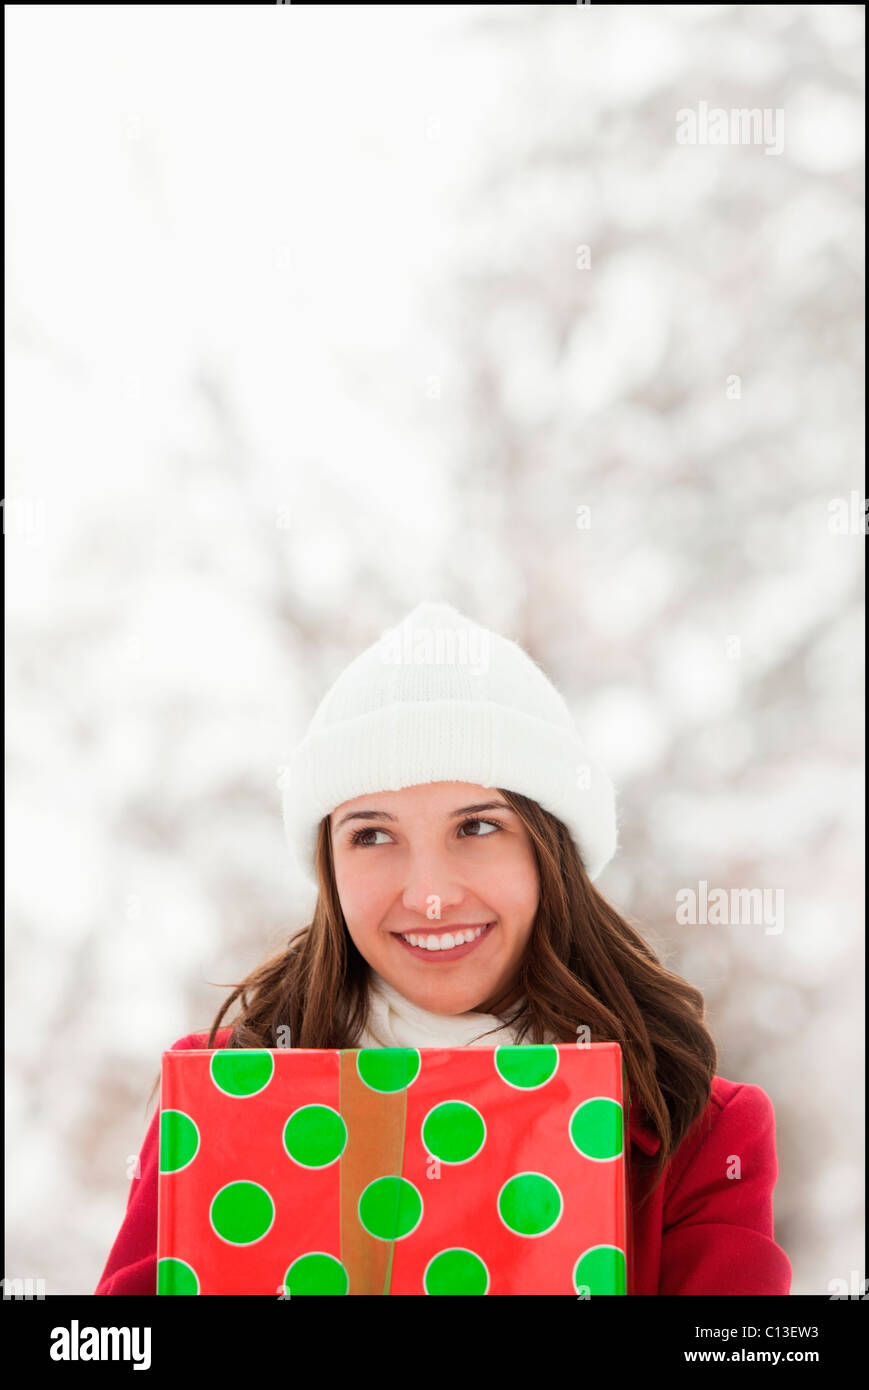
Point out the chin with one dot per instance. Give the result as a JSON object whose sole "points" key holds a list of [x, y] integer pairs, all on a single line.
{"points": [[452, 1001]]}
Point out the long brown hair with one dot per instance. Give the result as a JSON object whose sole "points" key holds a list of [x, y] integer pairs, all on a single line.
{"points": [[584, 964]]}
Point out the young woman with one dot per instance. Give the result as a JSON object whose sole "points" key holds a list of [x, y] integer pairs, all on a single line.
{"points": [[453, 824]]}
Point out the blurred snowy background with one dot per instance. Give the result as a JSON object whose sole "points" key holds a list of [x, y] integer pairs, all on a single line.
{"points": [[300, 331]]}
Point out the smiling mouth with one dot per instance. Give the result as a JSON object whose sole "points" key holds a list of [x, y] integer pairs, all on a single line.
{"points": [[444, 945]]}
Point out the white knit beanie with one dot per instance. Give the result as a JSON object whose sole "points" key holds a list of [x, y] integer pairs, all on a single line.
{"points": [[441, 699]]}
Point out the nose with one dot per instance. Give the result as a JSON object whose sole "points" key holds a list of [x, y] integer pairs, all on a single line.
{"points": [[431, 888]]}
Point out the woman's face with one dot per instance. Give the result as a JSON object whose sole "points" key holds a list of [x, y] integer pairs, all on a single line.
{"points": [[427, 861]]}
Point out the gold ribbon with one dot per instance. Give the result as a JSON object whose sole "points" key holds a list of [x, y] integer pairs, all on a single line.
{"points": [[375, 1123]]}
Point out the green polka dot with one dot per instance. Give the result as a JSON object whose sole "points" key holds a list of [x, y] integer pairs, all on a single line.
{"points": [[176, 1276], [315, 1135], [179, 1140], [456, 1271], [316, 1273], [596, 1128], [530, 1204], [601, 1269], [388, 1068], [242, 1212], [453, 1131], [242, 1071], [390, 1208], [526, 1067]]}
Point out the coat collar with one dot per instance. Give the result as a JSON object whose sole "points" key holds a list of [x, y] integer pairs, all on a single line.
{"points": [[641, 1133]]}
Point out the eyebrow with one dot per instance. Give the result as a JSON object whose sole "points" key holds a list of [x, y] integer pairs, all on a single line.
{"points": [[462, 811]]}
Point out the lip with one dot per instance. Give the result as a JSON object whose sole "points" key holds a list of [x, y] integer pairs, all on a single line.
{"points": [[445, 957]]}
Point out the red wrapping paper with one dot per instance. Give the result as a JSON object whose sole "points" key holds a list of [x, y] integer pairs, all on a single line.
{"points": [[497, 1170]]}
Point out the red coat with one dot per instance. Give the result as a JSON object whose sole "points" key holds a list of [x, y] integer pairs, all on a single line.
{"points": [[702, 1232]]}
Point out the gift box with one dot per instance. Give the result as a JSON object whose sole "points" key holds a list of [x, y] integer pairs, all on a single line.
{"points": [[484, 1170]]}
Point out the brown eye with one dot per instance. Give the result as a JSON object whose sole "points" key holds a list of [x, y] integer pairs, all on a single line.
{"points": [[476, 821], [356, 837]]}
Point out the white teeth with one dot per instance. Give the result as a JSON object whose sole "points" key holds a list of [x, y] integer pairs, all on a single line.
{"points": [[442, 943]]}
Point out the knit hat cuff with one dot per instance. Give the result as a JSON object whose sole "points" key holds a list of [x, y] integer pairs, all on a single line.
{"points": [[404, 744]]}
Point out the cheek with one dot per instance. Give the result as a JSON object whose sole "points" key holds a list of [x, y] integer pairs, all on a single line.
{"points": [[362, 894], [515, 885]]}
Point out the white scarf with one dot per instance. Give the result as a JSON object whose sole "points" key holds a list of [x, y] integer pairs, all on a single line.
{"points": [[394, 1021]]}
